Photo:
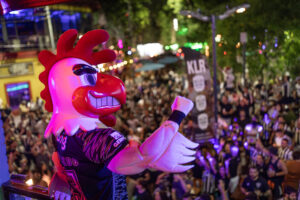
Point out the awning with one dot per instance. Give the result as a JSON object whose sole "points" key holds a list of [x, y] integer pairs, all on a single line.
{"points": [[150, 67], [168, 60], [144, 61]]}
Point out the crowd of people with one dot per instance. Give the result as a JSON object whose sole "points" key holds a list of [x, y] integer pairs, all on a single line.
{"points": [[28, 152], [255, 154]]}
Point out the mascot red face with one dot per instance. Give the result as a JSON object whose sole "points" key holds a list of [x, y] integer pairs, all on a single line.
{"points": [[75, 92], [101, 95]]}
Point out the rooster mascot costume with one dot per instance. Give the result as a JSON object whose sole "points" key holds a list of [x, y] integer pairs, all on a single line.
{"points": [[91, 158]]}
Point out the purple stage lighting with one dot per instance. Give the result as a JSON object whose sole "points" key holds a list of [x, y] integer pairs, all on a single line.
{"points": [[216, 146], [234, 151], [266, 119], [234, 138], [259, 128], [246, 145], [248, 127]]}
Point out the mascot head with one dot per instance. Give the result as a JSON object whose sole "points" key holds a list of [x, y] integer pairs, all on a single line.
{"points": [[75, 92]]}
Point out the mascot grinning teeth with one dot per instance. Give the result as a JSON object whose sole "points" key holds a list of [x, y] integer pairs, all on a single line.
{"points": [[91, 158]]}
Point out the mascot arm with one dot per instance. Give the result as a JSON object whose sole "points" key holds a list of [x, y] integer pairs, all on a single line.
{"points": [[166, 149]]}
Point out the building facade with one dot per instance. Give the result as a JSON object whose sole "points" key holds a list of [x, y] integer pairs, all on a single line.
{"points": [[24, 33]]}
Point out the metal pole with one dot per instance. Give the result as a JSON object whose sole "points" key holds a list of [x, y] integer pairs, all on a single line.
{"points": [[51, 35], [213, 28], [4, 30], [244, 64]]}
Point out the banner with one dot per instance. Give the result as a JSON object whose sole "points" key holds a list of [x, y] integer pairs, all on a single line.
{"points": [[200, 91], [10, 5]]}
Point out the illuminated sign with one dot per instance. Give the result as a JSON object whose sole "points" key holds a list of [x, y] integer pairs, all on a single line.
{"points": [[193, 45], [10, 5], [150, 49]]}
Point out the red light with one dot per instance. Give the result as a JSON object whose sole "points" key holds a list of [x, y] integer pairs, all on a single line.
{"points": [[225, 53], [260, 51], [177, 54]]}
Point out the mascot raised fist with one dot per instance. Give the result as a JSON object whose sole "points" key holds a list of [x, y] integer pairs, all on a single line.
{"points": [[92, 158]]}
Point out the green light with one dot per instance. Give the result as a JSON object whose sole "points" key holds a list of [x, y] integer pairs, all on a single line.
{"points": [[183, 31], [174, 47], [196, 45], [188, 44]]}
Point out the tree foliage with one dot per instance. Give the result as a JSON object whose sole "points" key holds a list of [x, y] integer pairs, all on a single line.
{"points": [[272, 27]]}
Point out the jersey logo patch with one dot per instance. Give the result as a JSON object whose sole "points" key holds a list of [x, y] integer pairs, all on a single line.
{"points": [[69, 162], [62, 140], [118, 137]]}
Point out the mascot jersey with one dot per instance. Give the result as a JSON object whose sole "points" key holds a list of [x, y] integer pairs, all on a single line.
{"points": [[85, 156], [90, 156]]}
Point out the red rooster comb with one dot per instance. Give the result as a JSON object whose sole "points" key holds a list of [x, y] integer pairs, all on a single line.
{"points": [[83, 50]]}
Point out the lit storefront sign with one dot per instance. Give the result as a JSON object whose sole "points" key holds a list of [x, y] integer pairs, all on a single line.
{"points": [[10, 5]]}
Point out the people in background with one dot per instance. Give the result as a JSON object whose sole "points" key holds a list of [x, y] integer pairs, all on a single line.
{"points": [[221, 169]]}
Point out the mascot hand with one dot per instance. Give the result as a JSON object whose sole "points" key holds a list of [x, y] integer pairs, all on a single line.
{"points": [[166, 149], [182, 104], [178, 153], [159, 141]]}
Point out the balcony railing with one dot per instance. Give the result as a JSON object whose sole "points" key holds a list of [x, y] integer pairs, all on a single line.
{"points": [[17, 189]]}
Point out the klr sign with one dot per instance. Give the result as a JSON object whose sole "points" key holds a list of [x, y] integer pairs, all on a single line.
{"points": [[198, 83], [196, 66], [201, 102], [200, 92]]}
